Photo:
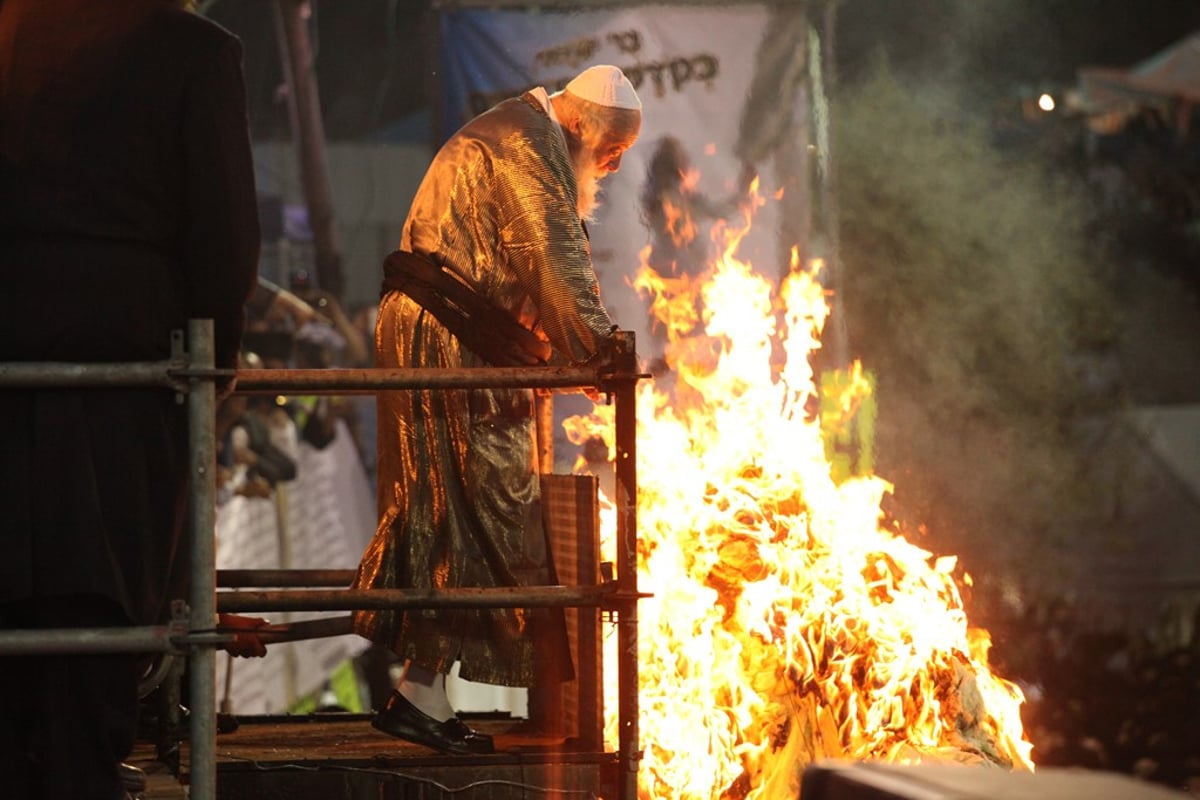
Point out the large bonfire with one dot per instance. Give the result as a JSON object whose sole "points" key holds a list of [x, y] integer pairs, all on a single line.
{"points": [[790, 621]]}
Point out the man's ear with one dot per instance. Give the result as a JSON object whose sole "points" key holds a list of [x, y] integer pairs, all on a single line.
{"points": [[575, 125]]}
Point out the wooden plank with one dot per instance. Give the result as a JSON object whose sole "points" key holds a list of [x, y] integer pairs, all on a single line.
{"points": [[339, 755]]}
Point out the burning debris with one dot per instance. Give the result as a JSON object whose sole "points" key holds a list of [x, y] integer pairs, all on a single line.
{"points": [[789, 622]]}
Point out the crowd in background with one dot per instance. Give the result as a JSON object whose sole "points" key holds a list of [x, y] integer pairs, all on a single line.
{"points": [[295, 485], [298, 327], [1108, 699]]}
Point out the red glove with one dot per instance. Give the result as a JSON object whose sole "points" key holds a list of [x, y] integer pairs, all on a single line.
{"points": [[247, 644]]}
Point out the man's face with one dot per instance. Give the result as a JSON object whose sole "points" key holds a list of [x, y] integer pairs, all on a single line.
{"points": [[607, 148], [599, 154]]}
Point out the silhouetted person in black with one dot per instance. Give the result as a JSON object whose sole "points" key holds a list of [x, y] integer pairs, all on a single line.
{"points": [[127, 207]]}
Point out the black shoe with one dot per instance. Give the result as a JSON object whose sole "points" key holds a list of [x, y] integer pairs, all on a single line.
{"points": [[402, 719], [133, 779]]}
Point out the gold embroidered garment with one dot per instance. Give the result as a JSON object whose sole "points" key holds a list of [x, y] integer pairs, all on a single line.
{"points": [[458, 492]]}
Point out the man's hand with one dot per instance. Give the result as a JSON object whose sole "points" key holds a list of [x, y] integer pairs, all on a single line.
{"points": [[247, 644]]}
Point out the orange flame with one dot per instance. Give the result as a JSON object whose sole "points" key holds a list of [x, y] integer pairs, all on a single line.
{"points": [[789, 622]]}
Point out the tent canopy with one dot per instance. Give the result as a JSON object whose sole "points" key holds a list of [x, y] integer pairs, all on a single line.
{"points": [[1173, 73]]}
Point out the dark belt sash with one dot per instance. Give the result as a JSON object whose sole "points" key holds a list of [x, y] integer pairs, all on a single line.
{"points": [[486, 330]]}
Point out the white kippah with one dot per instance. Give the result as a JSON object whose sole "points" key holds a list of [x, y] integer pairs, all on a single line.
{"points": [[606, 86]]}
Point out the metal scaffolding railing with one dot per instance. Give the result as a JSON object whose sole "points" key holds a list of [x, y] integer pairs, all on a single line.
{"points": [[190, 371]]}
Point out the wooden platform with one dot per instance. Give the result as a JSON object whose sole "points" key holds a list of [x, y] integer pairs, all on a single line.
{"points": [[335, 756]]}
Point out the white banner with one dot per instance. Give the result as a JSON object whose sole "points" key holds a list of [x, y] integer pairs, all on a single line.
{"points": [[321, 520]]}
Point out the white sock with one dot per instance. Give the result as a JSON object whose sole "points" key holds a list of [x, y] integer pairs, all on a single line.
{"points": [[426, 690]]}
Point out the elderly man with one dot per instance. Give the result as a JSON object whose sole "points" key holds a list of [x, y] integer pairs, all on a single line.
{"points": [[496, 228]]}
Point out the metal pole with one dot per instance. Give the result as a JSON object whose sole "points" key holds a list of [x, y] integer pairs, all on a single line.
{"points": [[52, 374], [59, 641], [823, 69], [233, 578], [203, 612], [629, 746], [284, 539], [306, 629], [308, 132], [352, 599], [317, 381]]}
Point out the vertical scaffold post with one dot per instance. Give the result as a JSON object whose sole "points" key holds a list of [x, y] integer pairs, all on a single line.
{"points": [[201, 402], [629, 757]]}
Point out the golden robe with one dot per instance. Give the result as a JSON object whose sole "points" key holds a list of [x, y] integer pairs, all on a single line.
{"points": [[458, 491]]}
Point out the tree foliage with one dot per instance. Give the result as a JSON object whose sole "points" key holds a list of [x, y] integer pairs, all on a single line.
{"points": [[969, 289], [1001, 46]]}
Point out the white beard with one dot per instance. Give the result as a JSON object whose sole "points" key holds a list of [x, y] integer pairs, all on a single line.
{"points": [[587, 179]]}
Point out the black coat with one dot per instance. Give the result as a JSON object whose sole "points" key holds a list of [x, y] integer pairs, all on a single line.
{"points": [[127, 206]]}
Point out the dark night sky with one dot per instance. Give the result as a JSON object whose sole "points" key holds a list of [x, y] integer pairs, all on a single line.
{"points": [[372, 55]]}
